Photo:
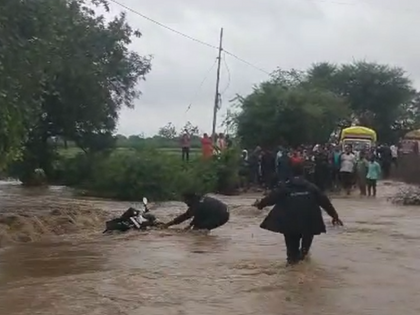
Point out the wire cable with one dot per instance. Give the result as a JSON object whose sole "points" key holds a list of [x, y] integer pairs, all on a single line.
{"points": [[228, 73], [246, 62], [215, 47], [185, 35], [163, 25], [201, 85]]}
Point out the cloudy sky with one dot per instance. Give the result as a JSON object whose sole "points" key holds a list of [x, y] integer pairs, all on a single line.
{"points": [[267, 34]]}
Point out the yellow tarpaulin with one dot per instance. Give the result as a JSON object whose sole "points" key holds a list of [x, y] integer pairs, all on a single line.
{"points": [[358, 131]]}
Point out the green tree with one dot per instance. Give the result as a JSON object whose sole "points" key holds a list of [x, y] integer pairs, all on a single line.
{"points": [[121, 140], [284, 111], [168, 131], [190, 128], [27, 55], [380, 96], [84, 76], [98, 76]]}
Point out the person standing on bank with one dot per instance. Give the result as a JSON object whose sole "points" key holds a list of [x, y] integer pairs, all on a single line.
{"points": [[185, 146], [373, 175], [347, 169], [297, 214]]}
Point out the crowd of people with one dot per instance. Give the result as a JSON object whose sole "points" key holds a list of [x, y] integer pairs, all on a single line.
{"points": [[208, 148], [329, 167], [296, 181]]}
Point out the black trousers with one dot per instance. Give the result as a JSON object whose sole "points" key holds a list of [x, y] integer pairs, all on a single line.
{"points": [[395, 162], [185, 153], [297, 245], [386, 168]]}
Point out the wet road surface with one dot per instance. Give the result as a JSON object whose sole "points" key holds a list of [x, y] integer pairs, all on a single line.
{"points": [[371, 266]]}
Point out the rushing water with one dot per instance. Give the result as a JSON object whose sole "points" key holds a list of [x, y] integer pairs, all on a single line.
{"points": [[370, 266]]}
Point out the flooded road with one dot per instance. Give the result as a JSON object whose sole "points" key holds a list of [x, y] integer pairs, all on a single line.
{"points": [[371, 266]]}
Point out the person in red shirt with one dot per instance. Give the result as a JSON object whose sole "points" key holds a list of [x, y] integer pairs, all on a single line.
{"points": [[296, 158], [206, 146]]}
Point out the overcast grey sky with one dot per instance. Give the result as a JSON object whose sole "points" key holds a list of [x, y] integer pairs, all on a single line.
{"points": [[268, 34]]}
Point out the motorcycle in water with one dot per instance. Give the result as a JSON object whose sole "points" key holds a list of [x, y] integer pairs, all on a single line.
{"points": [[133, 219]]}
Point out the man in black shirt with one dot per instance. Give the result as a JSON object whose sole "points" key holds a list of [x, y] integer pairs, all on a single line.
{"points": [[208, 213]]}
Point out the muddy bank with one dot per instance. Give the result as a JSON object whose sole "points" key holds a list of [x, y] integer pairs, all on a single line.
{"points": [[407, 196]]}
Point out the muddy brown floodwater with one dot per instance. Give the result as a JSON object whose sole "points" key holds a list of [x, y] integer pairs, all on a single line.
{"points": [[371, 266]]}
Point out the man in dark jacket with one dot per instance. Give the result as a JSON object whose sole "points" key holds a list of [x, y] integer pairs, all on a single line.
{"points": [[321, 169], [208, 213], [386, 159], [297, 214], [283, 166], [254, 164], [268, 169]]}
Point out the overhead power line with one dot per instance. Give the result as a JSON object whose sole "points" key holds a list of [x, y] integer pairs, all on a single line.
{"points": [[187, 36], [228, 73], [163, 25], [246, 62], [201, 85]]}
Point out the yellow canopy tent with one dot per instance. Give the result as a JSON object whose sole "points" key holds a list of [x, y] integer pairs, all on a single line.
{"points": [[358, 132]]}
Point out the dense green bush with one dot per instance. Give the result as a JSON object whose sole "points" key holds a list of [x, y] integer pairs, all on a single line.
{"points": [[131, 174]]}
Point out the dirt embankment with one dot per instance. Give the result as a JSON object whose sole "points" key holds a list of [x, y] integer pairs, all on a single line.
{"points": [[408, 169]]}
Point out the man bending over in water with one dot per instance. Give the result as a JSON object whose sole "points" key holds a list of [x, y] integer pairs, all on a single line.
{"points": [[297, 214], [208, 213]]}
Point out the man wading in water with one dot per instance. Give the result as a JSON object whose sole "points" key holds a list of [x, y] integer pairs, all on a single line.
{"points": [[208, 213], [297, 214]]}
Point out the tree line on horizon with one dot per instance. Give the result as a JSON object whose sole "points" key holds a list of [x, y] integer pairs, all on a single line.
{"points": [[305, 106]]}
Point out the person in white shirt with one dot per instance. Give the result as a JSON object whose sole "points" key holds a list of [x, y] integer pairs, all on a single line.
{"points": [[394, 154], [347, 169]]}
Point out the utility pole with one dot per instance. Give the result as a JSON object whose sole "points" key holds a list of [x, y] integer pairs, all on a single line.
{"points": [[217, 96]]}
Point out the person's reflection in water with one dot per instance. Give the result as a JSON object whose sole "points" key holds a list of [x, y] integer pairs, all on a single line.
{"points": [[208, 213], [297, 214]]}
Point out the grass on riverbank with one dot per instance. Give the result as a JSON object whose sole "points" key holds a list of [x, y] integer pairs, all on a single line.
{"points": [[128, 174]]}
